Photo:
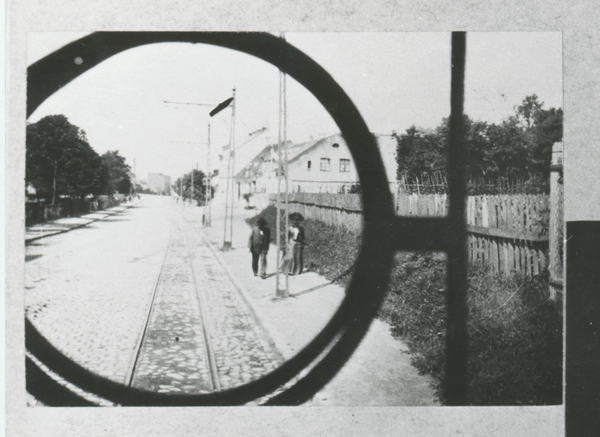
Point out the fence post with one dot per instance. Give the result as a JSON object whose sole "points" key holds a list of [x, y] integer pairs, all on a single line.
{"points": [[555, 228]]}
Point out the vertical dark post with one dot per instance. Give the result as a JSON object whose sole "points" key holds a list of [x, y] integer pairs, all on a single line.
{"points": [[582, 388], [456, 334]]}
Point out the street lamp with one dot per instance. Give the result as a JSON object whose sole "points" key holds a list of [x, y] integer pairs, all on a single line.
{"points": [[230, 168], [208, 192]]}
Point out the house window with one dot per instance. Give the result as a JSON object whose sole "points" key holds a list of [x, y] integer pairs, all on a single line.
{"points": [[344, 165], [325, 164], [308, 165]]}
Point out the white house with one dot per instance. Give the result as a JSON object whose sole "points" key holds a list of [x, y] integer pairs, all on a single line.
{"points": [[328, 167], [321, 166]]}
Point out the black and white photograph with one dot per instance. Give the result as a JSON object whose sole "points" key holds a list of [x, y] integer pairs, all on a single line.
{"points": [[193, 217], [219, 222]]}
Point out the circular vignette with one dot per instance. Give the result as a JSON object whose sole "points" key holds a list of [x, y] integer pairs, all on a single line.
{"points": [[366, 290]]}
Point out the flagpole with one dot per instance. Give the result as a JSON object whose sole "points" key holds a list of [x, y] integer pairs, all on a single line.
{"points": [[215, 111]]}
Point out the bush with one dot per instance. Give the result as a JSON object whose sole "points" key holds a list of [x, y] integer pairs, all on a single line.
{"points": [[515, 341], [106, 202], [515, 333]]}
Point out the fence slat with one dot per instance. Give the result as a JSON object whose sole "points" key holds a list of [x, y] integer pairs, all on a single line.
{"points": [[510, 257], [535, 262], [503, 231]]}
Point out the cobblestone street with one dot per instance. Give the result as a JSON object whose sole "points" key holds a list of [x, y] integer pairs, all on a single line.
{"points": [[90, 292]]}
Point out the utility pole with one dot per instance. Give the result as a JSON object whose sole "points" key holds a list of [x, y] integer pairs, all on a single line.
{"points": [[282, 130], [230, 183], [208, 194], [215, 111]]}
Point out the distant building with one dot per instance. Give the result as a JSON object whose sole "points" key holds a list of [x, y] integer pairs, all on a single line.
{"points": [[322, 166], [159, 183]]}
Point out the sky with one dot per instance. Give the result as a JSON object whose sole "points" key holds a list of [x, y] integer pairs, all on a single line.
{"points": [[396, 79]]}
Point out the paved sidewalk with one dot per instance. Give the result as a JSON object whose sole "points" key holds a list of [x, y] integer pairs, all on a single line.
{"points": [[59, 226], [378, 374]]}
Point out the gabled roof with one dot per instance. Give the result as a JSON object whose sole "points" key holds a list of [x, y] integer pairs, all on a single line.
{"points": [[271, 150], [387, 147], [315, 145]]}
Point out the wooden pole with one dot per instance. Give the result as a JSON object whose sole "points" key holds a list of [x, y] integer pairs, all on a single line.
{"points": [[555, 227], [229, 189], [278, 203], [287, 176], [208, 193], [232, 167]]}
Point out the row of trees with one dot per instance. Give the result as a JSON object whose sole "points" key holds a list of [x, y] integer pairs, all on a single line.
{"points": [[61, 162], [519, 147], [183, 187]]}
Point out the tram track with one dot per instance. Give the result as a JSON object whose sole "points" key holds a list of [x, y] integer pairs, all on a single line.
{"points": [[200, 335], [204, 316], [175, 352], [138, 349], [184, 328]]}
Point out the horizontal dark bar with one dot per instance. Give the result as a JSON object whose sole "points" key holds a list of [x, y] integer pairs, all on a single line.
{"points": [[419, 233]]}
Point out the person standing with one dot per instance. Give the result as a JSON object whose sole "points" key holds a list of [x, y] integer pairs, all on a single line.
{"points": [[293, 261], [258, 245]]}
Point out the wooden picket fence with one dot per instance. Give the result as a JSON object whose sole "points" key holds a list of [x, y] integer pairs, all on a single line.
{"points": [[332, 209], [507, 232]]}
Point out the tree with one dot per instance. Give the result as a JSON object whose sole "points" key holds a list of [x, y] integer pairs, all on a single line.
{"points": [[508, 150], [183, 186], [59, 159], [419, 151], [116, 173], [529, 110], [518, 147]]}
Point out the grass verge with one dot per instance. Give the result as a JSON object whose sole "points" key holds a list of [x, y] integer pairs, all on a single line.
{"points": [[515, 333]]}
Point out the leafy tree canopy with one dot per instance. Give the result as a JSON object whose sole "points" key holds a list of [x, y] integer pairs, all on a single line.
{"points": [[116, 173], [183, 186], [59, 159], [520, 146]]}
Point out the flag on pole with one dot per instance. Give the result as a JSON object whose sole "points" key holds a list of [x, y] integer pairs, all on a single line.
{"points": [[221, 106]]}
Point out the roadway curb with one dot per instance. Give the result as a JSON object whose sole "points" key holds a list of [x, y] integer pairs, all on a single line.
{"points": [[106, 212], [276, 339]]}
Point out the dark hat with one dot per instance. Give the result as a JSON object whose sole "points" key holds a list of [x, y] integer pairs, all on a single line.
{"points": [[296, 217]]}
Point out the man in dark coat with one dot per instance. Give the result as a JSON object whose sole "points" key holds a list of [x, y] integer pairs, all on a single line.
{"points": [[258, 244]]}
